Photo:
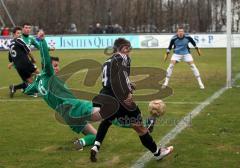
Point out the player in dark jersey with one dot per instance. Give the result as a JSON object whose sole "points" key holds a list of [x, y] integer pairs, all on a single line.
{"points": [[116, 83], [18, 57], [30, 41]]}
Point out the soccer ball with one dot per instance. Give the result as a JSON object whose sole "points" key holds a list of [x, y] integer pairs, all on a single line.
{"points": [[157, 108]]}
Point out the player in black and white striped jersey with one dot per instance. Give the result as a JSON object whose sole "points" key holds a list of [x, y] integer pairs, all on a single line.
{"points": [[18, 57], [116, 84]]}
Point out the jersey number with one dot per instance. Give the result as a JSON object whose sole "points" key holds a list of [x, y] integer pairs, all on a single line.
{"points": [[104, 76], [13, 52], [41, 88]]}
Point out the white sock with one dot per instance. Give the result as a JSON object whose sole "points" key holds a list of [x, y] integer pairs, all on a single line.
{"points": [[157, 153], [97, 143], [96, 146], [166, 81], [195, 70], [199, 80], [168, 74], [196, 73], [83, 141]]}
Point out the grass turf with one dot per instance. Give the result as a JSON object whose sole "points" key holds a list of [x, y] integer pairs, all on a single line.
{"points": [[31, 137]]}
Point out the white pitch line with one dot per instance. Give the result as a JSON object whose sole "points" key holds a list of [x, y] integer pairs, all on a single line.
{"points": [[20, 100], [169, 102], [184, 122], [4, 87], [184, 103]]}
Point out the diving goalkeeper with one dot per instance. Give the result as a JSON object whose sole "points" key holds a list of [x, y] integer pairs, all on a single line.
{"points": [[72, 111]]}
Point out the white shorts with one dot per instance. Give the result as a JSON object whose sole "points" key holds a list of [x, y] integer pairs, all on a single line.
{"points": [[179, 58]]}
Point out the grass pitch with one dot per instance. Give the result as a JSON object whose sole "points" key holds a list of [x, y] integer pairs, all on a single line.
{"points": [[31, 137]]}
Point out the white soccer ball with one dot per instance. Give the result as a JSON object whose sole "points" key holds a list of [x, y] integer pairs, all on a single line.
{"points": [[157, 108]]}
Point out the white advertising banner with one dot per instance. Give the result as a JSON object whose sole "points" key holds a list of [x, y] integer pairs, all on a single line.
{"points": [[137, 41], [202, 40]]}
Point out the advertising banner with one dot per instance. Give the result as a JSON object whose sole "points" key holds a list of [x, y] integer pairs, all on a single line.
{"points": [[89, 42], [202, 40], [137, 41]]}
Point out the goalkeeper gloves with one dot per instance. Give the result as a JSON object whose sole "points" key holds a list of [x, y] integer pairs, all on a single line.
{"points": [[198, 51], [166, 55]]}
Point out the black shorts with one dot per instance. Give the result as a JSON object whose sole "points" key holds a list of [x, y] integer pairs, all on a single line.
{"points": [[124, 115], [25, 72]]}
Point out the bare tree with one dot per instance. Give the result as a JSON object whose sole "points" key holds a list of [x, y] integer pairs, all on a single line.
{"points": [[55, 16]]}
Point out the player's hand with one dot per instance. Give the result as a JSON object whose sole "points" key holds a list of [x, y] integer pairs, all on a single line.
{"points": [[129, 100], [198, 51], [166, 56], [10, 65]]}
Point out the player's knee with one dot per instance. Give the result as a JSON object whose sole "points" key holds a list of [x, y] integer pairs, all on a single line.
{"points": [[173, 62]]}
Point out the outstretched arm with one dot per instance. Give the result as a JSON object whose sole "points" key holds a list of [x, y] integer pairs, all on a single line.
{"points": [[35, 43], [47, 66]]}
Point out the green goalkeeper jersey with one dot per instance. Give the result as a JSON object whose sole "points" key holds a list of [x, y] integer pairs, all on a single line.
{"points": [[57, 95]]}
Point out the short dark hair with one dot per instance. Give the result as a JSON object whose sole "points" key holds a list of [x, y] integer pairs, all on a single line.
{"points": [[15, 29], [54, 58], [26, 24], [119, 43]]}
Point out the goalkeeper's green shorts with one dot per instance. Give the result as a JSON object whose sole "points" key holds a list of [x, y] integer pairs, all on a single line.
{"points": [[76, 113]]}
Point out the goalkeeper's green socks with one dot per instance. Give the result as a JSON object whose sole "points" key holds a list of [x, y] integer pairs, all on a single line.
{"points": [[88, 140]]}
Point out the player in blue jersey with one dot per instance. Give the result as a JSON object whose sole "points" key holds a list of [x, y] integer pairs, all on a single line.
{"points": [[181, 52]]}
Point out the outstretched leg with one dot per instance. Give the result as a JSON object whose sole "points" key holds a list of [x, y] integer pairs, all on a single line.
{"points": [[149, 143]]}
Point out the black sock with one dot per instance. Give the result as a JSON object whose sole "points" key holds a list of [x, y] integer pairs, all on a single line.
{"points": [[20, 86], [148, 142], [102, 130], [101, 133]]}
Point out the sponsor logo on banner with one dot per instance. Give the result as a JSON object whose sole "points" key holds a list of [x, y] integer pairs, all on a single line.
{"points": [[93, 42], [149, 42], [5, 42], [137, 41], [202, 40]]}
